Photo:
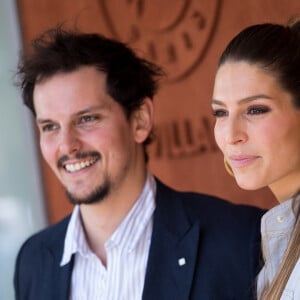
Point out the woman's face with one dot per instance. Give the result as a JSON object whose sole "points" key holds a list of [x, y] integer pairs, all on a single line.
{"points": [[257, 128]]}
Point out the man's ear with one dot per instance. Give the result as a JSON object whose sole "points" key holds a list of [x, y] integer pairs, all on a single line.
{"points": [[142, 120]]}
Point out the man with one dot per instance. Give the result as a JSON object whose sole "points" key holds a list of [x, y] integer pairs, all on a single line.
{"points": [[129, 236]]}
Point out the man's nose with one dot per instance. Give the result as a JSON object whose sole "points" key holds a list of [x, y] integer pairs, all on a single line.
{"points": [[69, 142]]}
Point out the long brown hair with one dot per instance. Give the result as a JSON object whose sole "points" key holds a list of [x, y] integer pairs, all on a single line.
{"points": [[276, 49]]}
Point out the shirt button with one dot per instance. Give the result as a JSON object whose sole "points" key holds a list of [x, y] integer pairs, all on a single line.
{"points": [[280, 219]]}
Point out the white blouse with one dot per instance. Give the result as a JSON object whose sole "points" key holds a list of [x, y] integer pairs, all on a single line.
{"points": [[276, 229]]}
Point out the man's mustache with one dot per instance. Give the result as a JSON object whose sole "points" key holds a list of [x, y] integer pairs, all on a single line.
{"points": [[80, 155]]}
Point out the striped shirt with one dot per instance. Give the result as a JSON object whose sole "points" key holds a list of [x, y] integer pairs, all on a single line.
{"points": [[126, 251]]}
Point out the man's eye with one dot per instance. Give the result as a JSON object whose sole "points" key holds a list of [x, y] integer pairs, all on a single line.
{"points": [[49, 127], [258, 110], [86, 119], [219, 113]]}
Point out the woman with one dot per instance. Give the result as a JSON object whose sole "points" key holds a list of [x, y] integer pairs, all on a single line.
{"points": [[256, 102]]}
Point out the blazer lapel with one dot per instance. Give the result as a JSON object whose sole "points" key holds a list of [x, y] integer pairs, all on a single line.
{"points": [[173, 249], [56, 278]]}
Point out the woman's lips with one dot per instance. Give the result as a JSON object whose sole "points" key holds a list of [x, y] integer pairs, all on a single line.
{"points": [[239, 161]]}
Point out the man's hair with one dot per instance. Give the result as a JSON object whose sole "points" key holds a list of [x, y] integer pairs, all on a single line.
{"points": [[129, 78]]}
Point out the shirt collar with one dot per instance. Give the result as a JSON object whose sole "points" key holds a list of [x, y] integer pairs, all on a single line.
{"points": [[75, 238], [126, 235], [280, 218], [132, 227]]}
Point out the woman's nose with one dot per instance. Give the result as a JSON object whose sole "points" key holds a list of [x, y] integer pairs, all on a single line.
{"points": [[235, 131]]}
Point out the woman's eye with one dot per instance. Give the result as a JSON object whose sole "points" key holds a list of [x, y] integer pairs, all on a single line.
{"points": [[257, 110], [219, 113]]}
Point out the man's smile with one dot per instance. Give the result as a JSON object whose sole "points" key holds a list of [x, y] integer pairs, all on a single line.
{"points": [[75, 167]]}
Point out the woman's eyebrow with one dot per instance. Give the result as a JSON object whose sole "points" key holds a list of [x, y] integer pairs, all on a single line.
{"points": [[244, 100]]}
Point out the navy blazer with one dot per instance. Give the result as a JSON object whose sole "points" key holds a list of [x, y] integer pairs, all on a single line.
{"points": [[219, 241]]}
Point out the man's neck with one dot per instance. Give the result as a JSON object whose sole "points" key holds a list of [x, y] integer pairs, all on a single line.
{"points": [[100, 220]]}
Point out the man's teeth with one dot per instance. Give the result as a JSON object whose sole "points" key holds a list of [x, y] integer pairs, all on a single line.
{"points": [[79, 166]]}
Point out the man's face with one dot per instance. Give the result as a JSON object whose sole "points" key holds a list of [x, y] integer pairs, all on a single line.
{"points": [[85, 136]]}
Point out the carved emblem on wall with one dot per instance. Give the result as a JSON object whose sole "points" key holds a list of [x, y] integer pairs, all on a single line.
{"points": [[172, 33]]}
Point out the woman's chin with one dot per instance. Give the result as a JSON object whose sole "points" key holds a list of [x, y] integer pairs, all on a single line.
{"points": [[248, 184]]}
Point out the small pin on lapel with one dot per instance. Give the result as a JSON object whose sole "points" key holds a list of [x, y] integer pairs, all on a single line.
{"points": [[181, 261]]}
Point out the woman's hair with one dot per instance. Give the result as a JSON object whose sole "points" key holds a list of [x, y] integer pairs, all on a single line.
{"points": [[276, 49], [273, 47]]}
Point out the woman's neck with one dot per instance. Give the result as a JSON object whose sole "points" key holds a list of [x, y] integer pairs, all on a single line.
{"points": [[285, 190]]}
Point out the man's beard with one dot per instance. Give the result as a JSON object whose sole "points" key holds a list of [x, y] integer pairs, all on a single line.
{"points": [[95, 196]]}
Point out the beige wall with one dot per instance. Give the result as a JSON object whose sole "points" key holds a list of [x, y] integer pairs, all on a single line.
{"points": [[186, 37]]}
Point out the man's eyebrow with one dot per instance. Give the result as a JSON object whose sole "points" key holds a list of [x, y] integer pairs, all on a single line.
{"points": [[91, 109], [43, 121], [244, 100], [79, 113]]}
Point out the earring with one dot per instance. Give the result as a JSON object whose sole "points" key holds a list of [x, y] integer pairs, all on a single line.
{"points": [[228, 168]]}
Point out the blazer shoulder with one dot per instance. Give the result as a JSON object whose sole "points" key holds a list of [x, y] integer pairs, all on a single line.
{"points": [[39, 258], [208, 207], [51, 235]]}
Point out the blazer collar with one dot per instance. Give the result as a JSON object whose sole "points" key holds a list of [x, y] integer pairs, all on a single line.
{"points": [[57, 276], [173, 249]]}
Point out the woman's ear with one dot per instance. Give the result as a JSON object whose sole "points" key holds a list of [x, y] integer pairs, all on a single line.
{"points": [[142, 120]]}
